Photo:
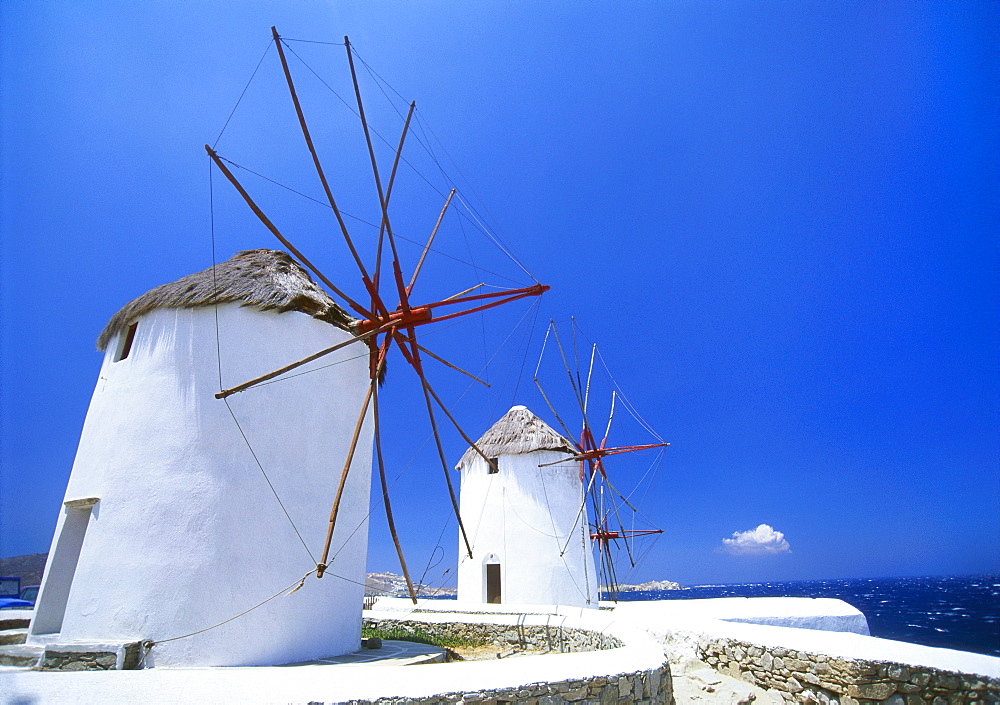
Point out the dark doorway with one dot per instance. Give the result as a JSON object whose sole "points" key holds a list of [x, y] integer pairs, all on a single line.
{"points": [[493, 583]]}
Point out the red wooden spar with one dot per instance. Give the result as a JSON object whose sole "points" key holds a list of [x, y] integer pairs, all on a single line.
{"points": [[603, 535]]}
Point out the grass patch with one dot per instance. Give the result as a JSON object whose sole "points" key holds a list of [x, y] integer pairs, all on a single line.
{"points": [[419, 636]]}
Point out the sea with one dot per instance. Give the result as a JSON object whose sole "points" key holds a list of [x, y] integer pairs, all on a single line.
{"points": [[953, 612]]}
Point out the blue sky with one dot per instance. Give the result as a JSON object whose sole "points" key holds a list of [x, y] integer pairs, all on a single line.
{"points": [[778, 220]]}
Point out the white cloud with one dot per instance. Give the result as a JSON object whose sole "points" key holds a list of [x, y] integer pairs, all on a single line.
{"points": [[762, 541]]}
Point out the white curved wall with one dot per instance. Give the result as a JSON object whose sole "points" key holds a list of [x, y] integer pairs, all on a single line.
{"points": [[187, 532], [523, 517]]}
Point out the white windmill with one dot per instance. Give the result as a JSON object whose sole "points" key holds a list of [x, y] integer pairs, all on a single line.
{"points": [[168, 533], [172, 521], [522, 512]]}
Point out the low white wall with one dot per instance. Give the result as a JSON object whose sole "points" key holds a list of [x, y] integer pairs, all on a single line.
{"points": [[811, 664], [634, 672], [819, 613]]}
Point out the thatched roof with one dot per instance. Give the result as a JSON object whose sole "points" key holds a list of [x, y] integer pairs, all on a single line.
{"points": [[269, 280], [517, 431]]}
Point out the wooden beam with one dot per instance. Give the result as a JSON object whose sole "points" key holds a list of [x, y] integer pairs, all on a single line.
{"points": [[315, 157], [281, 238]]}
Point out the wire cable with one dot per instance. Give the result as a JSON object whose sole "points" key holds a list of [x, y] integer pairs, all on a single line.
{"points": [[240, 99]]}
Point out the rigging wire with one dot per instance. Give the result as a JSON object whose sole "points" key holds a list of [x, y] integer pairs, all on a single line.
{"points": [[285, 591], [268, 479], [475, 220], [218, 357], [527, 346], [366, 222], [471, 189], [240, 99], [312, 41], [628, 404]]}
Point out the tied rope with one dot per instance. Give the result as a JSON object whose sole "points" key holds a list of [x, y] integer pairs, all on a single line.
{"points": [[288, 590]]}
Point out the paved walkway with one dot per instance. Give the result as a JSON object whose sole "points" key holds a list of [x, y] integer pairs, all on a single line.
{"points": [[392, 653]]}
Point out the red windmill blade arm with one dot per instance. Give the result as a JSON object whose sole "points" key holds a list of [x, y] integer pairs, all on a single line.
{"points": [[597, 453], [602, 452], [413, 357], [388, 193], [427, 247], [287, 368], [606, 535], [423, 314], [383, 200], [444, 467], [444, 362], [385, 498], [533, 290], [315, 157], [510, 294]]}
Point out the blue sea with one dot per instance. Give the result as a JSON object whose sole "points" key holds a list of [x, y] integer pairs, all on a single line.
{"points": [[954, 613]]}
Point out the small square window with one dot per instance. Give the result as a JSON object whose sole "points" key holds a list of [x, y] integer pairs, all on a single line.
{"points": [[125, 341], [493, 466]]}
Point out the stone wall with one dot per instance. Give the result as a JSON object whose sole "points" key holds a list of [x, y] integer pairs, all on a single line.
{"points": [[804, 677], [535, 637], [125, 657], [639, 688], [79, 661], [643, 687]]}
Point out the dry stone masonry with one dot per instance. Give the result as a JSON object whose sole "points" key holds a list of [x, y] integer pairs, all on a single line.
{"points": [[639, 688], [533, 637], [803, 677], [644, 687]]}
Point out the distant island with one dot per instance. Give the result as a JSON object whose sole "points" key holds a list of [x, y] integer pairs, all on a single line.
{"points": [[651, 585], [392, 585]]}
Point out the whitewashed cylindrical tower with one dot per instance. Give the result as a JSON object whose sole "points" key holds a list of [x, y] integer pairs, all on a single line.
{"points": [[527, 524], [184, 510]]}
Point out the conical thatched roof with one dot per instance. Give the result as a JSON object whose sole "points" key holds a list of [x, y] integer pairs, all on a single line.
{"points": [[269, 280], [517, 431]]}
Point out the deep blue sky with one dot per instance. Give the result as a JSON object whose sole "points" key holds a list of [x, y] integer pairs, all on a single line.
{"points": [[779, 221]]}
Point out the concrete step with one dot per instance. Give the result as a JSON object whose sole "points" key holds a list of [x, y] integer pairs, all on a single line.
{"points": [[9, 621], [20, 655], [13, 636]]}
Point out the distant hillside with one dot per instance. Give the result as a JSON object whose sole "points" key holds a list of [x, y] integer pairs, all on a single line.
{"points": [[392, 585], [28, 568]]}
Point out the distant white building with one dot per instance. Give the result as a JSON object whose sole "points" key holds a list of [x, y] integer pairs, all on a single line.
{"points": [[171, 521], [527, 524]]}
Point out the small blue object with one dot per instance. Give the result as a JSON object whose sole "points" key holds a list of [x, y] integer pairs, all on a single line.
{"points": [[25, 601]]}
